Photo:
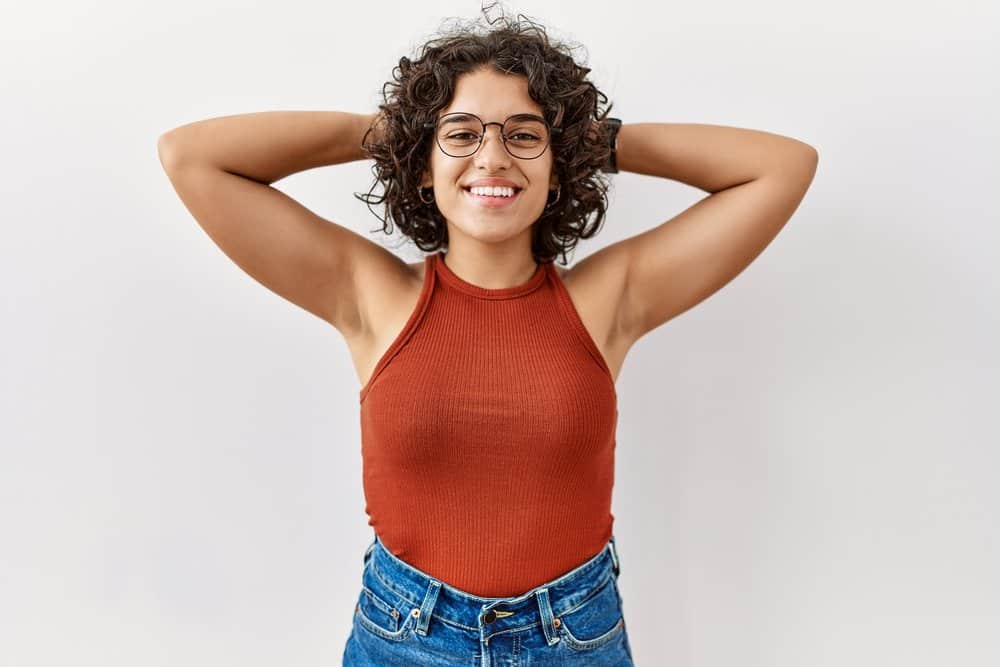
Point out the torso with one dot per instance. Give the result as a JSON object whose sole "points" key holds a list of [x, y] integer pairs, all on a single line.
{"points": [[589, 296]]}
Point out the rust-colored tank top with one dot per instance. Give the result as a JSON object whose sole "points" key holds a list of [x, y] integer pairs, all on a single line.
{"points": [[488, 435]]}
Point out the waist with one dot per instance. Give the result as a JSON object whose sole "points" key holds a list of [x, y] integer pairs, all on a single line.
{"points": [[536, 606]]}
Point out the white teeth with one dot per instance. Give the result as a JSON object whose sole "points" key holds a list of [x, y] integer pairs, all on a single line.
{"points": [[492, 191]]}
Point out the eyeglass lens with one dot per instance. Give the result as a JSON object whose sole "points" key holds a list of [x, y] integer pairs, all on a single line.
{"points": [[460, 134]]}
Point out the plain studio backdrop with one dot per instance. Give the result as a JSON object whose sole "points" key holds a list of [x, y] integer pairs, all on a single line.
{"points": [[806, 461]]}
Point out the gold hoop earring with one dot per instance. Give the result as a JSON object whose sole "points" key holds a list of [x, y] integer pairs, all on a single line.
{"points": [[420, 193], [558, 194]]}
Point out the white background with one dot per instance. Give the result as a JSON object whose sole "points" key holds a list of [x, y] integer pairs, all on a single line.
{"points": [[806, 463]]}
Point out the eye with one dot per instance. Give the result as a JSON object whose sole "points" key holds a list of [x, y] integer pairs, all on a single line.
{"points": [[463, 134]]}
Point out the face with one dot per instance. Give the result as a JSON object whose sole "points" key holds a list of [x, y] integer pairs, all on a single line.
{"points": [[494, 97]]}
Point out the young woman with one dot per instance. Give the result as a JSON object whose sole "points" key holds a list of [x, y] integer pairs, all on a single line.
{"points": [[488, 402]]}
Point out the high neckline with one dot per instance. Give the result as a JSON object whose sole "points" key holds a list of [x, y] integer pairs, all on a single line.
{"points": [[452, 279]]}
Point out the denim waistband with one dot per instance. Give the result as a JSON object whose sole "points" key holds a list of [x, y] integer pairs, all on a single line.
{"points": [[539, 606]]}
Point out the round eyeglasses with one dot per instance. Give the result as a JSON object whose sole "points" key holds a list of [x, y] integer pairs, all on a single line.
{"points": [[460, 134]]}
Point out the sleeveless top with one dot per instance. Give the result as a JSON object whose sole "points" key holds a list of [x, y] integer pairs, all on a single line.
{"points": [[488, 435]]}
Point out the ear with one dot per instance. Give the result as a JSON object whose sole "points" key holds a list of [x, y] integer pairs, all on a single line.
{"points": [[426, 179]]}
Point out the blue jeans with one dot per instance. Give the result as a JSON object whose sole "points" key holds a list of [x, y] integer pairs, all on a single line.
{"points": [[406, 617]]}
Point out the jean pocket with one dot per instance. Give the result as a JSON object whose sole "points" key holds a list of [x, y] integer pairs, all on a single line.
{"points": [[595, 622], [382, 611]]}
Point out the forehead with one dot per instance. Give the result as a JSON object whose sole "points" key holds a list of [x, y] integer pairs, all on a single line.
{"points": [[492, 95]]}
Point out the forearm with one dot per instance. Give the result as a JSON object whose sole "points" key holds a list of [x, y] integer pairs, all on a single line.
{"points": [[709, 157], [269, 145]]}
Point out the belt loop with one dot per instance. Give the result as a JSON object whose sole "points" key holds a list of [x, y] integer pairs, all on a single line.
{"points": [[545, 609], [425, 609], [614, 556], [368, 551]]}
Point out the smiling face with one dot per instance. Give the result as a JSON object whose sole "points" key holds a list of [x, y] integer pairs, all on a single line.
{"points": [[493, 96]]}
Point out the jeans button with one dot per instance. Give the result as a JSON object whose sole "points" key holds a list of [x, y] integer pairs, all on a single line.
{"points": [[490, 616]]}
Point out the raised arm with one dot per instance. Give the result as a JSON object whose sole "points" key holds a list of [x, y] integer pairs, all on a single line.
{"points": [[222, 169], [755, 182]]}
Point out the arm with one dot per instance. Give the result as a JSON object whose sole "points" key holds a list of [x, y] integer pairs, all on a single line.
{"points": [[708, 157], [267, 146], [756, 180], [222, 169]]}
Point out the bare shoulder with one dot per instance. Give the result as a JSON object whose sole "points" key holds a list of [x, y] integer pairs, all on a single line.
{"points": [[596, 286], [384, 283], [387, 291]]}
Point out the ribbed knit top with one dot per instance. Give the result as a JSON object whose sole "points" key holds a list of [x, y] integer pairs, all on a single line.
{"points": [[488, 435]]}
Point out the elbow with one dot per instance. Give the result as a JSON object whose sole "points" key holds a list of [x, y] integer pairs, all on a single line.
{"points": [[809, 151], [166, 150]]}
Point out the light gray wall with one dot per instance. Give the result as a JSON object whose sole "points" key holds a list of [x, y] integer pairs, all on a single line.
{"points": [[806, 461]]}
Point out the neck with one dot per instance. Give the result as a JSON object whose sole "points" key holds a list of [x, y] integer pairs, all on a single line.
{"points": [[490, 270]]}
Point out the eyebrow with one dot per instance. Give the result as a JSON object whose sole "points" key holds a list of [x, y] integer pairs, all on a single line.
{"points": [[459, 116]]}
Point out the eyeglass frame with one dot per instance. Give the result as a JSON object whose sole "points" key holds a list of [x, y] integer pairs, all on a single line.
{"points": [[431, 124]]}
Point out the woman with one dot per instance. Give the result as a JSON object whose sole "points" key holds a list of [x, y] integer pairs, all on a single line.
{"points": [[488, 403]]}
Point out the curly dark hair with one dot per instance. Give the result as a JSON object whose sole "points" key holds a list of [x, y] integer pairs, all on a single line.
{"points": [[424, 86]]}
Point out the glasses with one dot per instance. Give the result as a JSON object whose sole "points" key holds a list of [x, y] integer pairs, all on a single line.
{"points": [[460, 134]]}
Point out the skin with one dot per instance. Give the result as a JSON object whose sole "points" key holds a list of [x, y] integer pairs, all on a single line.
{"points": [[490, 248], [628, 288]]}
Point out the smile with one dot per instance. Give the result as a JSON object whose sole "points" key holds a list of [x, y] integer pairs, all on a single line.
{"points": [[492, 202]]}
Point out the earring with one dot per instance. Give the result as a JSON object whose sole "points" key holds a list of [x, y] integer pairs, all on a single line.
{"points": [[558, 193], [420, 193]]}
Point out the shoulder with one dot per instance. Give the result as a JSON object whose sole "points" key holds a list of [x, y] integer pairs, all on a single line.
{"points": [[388, 288]]}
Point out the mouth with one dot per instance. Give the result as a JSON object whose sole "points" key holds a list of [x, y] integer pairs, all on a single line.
{"points": [[493, 202]]}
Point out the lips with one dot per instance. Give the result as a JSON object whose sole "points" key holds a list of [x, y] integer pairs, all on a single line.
{"points": [[493, 202], [492, 182], [514, 187]]}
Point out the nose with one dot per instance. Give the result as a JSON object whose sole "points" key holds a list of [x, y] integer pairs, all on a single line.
{"points": [[492, 153]]}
